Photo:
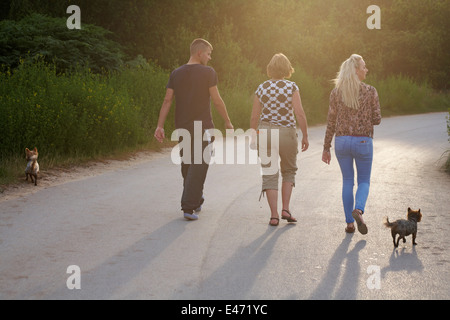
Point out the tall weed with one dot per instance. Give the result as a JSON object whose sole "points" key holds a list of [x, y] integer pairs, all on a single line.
{"points": [[79, 113], [314, 96], [401, 95], [82, 114], [447, 163]]}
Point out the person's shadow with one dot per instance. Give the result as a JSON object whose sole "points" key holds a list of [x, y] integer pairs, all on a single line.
{"points": [[108, 278], [239, 273], [349, 283]]}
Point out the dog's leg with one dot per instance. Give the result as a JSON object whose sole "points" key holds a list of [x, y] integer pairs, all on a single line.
{"points": [[398, 240], [26, 176], [35, 181], [414, 239], [393, 237]]}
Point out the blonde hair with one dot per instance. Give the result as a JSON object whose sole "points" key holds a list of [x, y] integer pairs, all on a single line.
{"points": [[199, 45], [279, 67], [347, 81]]}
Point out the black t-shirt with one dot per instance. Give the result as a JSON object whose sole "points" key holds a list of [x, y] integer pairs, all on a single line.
{"points": [[191, 83]]}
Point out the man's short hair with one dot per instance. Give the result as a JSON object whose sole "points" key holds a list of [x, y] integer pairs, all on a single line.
{"points": [[200, 45]]}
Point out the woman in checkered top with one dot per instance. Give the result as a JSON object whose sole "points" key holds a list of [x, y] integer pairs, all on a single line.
{"points": [[276, 107]]}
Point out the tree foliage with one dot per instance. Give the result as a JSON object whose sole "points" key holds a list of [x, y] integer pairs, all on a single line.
{"points": [[38, 35], [315, 34], [121, 58]]}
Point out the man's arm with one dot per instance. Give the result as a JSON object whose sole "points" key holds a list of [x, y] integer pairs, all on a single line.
{"points": [[159, 132], [220, 106]]}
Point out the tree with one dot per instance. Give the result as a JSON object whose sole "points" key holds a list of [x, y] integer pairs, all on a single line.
{"points": [[38, 35]]}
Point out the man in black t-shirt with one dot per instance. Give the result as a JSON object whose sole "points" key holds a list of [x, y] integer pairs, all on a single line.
{"points": [[193, 85]]}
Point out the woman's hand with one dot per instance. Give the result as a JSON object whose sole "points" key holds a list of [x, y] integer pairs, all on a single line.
{"points": [[305, 144], [159, 134], [326, 156], [254, 140]]}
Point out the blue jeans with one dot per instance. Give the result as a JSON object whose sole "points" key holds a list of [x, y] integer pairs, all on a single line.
{"points": [[359, 149]]}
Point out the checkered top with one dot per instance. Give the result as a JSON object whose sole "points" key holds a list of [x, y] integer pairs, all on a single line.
{"points": [[276, 99]]}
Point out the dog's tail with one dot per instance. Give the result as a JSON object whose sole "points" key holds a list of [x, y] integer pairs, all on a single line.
{"points": [[387, 223]]}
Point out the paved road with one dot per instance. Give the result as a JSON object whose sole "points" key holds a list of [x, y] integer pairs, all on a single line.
{"points": [[125, 232]]}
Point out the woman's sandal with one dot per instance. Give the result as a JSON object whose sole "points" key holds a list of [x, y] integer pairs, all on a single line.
{"points": [[276, 223], [350, 229], [362, 228], [290, 218]]}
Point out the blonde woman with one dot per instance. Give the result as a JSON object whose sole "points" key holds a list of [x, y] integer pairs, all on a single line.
{"points": [[276, 106], [354, 110]]}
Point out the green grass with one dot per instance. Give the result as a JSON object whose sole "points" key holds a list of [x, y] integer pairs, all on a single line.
{"points": [[447, 163], [77, 116], [401, 95]]}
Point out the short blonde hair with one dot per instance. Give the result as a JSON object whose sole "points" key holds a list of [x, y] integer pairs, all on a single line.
{"points": [[279, 67], [199, 45]]}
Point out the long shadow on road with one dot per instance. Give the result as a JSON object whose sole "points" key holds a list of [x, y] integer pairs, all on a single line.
{"points": [[237, 276], [108, 279], [349, 284]]}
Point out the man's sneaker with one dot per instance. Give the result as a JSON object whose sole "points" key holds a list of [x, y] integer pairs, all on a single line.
{"points": [[190, 216], [200, 207]]}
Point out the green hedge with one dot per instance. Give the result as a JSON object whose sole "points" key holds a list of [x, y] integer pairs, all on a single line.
{"points": [[38, 35], [80, 112], [402, 95]]}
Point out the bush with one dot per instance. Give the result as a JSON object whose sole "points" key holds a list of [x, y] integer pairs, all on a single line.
{"points": [[38, 35], [79, 113], [400, 95], [314, 96], [146, 84], [447, 164]]}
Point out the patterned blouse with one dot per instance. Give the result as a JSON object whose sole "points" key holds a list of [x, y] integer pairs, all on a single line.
{"points": [[345, 121], [276, 99]]}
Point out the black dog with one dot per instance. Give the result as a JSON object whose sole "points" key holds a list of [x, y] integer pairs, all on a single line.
{"points": [[404, 227]]}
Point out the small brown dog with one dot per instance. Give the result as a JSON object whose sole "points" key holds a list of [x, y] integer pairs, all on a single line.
{"points": [[32, 168], [404, 227]]}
